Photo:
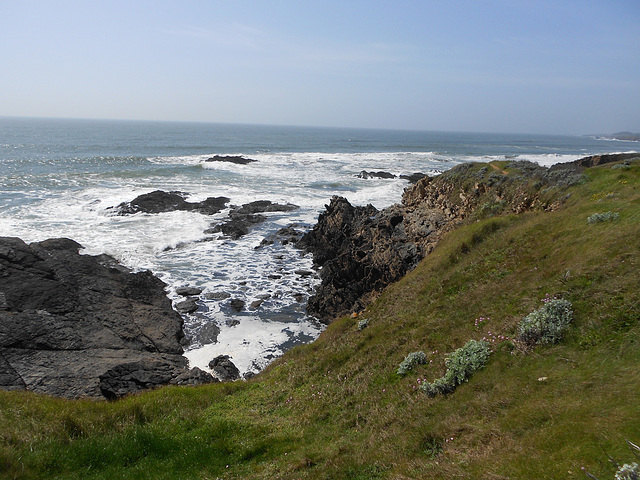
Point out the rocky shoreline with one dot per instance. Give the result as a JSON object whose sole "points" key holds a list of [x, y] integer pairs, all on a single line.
{"points": [[361, 250], [75, 325]]}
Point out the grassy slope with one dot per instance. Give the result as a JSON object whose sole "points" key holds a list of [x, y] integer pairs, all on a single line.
{"points": [[337, 409]]}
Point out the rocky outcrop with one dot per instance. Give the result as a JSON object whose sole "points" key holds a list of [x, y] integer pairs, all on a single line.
{"points": [[67, 319], [360, 250], [412, 178], [366, 175], [242, 218], [224, 369], [237, 159], [594, 160], [160, 202]]}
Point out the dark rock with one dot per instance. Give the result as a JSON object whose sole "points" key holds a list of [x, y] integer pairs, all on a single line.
{"points": [[224, 369], [304, 273], [414, 177], [195, 376], [237, 225], [367, 175], [133, 377], [208, 333], [188, 291], [241, 219], [159, 202], [262, 206], [9, 378], [594, 160], [237, 304], [256, 304], [237, 159], [217, 295], [67, 318], [286, 235], [189, 305]]}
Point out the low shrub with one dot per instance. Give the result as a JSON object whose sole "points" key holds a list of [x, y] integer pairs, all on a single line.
{"points": [[362, 324], [628, 471], [410, 361], [602, 217], [621, 166], [462, 363], [547, 324]]}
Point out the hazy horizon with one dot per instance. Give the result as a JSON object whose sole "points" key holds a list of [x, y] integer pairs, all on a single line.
{"points": [[503, 66]]}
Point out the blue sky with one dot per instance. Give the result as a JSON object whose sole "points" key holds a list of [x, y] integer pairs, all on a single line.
{"points": [[539, 66]]}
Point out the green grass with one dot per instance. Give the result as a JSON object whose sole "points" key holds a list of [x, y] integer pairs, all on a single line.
{"points": [[336, 409]]}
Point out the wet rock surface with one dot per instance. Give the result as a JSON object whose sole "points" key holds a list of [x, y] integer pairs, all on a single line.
{"points": [[412, 178], [160, 202], [67, 319], [241, 219], [237, 159]]}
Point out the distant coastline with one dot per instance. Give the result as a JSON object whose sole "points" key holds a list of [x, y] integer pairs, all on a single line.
{"points": [[624, 136]]}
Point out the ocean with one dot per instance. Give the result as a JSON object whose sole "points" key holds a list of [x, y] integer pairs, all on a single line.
{"points": [[60, 178]]}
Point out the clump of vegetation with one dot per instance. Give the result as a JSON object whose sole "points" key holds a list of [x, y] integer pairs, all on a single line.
{"points": [[622, 166], [362, 324], [547, 324], [461, 365], [603, 217], [410, 361], [628, 471]]}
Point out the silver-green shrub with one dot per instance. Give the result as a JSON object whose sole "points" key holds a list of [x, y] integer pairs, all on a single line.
{"points": [[547, 324], [462, 363], [362, 324], [410, 361], [621, 166], [628, 471], [603, 217]]}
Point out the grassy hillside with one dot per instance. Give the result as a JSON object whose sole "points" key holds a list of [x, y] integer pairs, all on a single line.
{"points": [[337, 409]]}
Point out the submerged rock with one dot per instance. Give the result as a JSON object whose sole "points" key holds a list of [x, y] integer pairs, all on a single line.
{"points": [[242, 218], [237, 304], [189, 305]]}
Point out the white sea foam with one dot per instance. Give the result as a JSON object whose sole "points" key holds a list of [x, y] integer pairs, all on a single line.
{"points": [[253, 343]]}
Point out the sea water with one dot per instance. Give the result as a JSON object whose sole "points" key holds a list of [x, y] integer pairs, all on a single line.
{"points": [[61, 178]]}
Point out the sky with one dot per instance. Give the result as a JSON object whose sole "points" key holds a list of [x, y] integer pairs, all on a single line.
{"points": [[521, 66]]}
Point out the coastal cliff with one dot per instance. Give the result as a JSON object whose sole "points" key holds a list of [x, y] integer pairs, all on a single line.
{"points": [[361, 250]]}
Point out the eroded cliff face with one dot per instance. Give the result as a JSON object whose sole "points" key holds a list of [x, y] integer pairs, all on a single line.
{"points": [[361, 250], [76, 325]]}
